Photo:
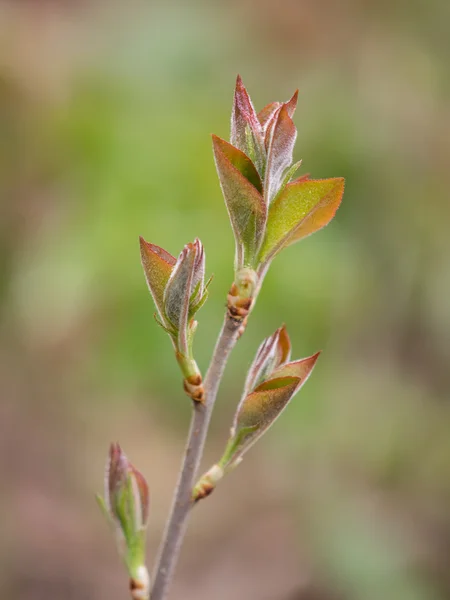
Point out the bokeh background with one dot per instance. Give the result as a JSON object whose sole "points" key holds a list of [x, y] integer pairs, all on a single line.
{"points": [[106, 110]]}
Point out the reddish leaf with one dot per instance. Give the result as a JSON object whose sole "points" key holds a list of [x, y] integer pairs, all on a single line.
{"points": [[243, 115], [239, 160], [158, 265], [280, 147], [244, 203], [261, 407], [272, 353], [299, 368]]}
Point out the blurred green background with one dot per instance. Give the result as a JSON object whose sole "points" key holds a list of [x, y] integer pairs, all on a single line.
{"points": [[106, 110]]}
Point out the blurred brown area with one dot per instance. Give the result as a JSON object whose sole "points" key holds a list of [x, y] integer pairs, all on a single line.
{"points": [[105, 114]]}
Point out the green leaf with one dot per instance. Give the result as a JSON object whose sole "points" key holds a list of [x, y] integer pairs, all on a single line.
{"points": [[304, 207], [244, 202]]}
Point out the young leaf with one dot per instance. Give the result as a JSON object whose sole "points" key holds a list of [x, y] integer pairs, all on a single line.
{"points": [[260, 409], [302, 208], [258, 412], [280, 147], [158, 265], [244, 203]]}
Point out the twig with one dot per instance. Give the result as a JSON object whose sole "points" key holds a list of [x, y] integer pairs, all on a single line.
{"points": [[182, 500]]}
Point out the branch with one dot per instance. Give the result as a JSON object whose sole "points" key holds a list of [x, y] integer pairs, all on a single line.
{"points": [[182, 500]]}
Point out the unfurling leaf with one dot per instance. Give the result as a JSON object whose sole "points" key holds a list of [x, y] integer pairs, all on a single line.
{"points": [[271, 384], [303, 207], [260, 409], [244, 202], [274, 351]]}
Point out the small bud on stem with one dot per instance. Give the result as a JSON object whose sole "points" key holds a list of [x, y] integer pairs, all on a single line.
{"points": [[207, 483], [126, 507], [140, 584]]}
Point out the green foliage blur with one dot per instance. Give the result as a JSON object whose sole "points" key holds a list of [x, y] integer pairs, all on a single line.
{"points": [[106, 111]]}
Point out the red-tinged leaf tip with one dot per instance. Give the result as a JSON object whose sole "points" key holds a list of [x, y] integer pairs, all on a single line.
{"points": [[284, 343], [303, 207], [245, 204], [239, 160], [301, 369], [246, 130], [158, 265], [117, 463], [291, 104], [148, 248]]}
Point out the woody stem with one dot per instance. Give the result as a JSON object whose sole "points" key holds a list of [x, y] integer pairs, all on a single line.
{"points": [[182, 501]]}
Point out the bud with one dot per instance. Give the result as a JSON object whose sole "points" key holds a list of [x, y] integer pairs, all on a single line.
{"points": [[271, 384], [241, 295], [178, 289], [274, 351], [126, 506]]}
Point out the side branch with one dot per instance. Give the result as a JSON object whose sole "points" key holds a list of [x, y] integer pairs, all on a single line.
{"points": [[182, 501]]}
